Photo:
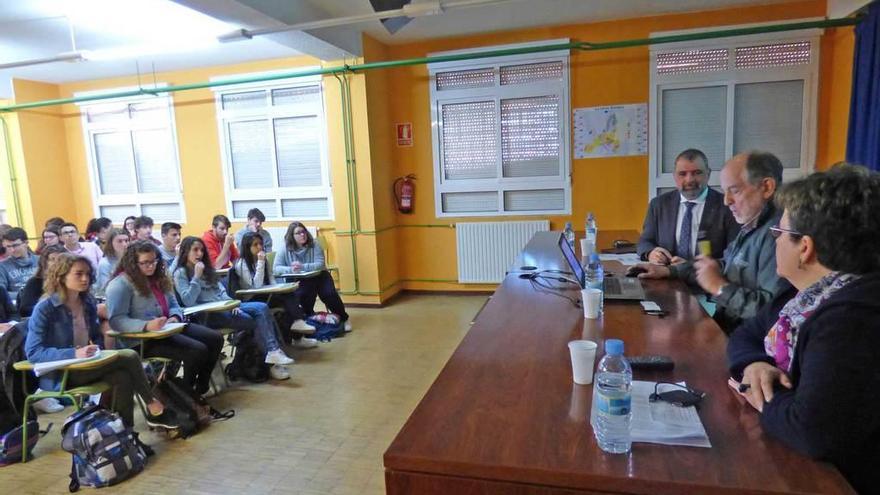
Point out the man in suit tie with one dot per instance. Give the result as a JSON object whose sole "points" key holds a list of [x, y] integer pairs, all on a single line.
{"points": [[677, 219]]}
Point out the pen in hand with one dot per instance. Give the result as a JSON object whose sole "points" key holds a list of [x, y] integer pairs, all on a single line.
{"points": [[743, 387]]}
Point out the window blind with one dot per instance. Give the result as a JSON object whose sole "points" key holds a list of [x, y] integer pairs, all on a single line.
{"points": [[469, 140], [160, 213], [530, 137], [305, 208], [534, 200], [114, 162], [694, 118], [693, 61], [154, 158], [769, 116], [465, 79], [298, 151], [470, 202], [245, 100], [530, 73], [268, 207], [250, 149]]}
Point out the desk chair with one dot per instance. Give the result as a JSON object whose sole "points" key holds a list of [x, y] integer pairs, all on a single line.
{"points": [[74, 394], [225, 332]]}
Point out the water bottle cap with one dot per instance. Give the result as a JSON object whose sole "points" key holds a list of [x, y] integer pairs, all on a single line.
{"points": [[594, 257], [614, 347], [568, 225]]}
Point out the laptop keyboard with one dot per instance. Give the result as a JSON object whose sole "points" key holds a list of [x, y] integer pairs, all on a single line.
{"points": [[612, 286]]}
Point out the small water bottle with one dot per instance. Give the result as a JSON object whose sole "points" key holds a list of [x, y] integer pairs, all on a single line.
{"points": [[613, 400], [569, 235], [594, 277], [591, 232]]}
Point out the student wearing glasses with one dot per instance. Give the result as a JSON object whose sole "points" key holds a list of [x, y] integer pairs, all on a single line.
{"points": [[88, 250], [302, 254], [808, 361], [141, 298], [51, 236], [20, 263]]}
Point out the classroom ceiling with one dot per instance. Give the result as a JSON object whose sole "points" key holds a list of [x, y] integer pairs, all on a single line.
{"points": [[124, 37]]}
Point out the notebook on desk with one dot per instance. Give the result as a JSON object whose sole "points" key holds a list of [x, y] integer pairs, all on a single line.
{"points": [[626, 288]]}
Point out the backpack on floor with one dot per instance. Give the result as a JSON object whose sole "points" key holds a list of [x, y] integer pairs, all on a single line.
{"points": [[105, 451], [328, 326], [11, 441], [12, 394], [249, 362]]}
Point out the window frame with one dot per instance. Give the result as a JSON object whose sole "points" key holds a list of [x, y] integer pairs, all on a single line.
{"points": [[269, 113], [90, 129], [497, 93], [730, 78]]}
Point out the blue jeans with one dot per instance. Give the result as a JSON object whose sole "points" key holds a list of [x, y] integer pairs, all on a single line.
{"points": [[267, 330]]}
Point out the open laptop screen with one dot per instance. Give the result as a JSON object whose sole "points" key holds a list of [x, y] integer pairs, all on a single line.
{"points": [[572, 259]]}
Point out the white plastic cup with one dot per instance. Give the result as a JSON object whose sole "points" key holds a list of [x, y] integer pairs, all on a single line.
{"points": [[592, 302], [583, 355]]}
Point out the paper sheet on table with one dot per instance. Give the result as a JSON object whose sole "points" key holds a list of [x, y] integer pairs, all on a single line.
{"points": [[628, 259], [41, 369], [298, 275], [659, 422], [172, 326], [191, 310]]}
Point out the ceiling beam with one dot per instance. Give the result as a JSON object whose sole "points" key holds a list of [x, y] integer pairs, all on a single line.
{"points": [[324, 44]]}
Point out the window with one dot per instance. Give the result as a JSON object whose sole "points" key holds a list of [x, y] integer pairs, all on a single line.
{"points": [[133, 163], [275, 149], [732, 95], [501, 139]]}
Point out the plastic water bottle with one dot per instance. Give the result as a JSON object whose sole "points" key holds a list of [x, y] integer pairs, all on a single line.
{"points": [[594, 277], [591, 229], [569, 234], [613, 400]]}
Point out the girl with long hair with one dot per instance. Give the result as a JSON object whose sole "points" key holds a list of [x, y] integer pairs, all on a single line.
{"points": [[117, 242], [32, 291]]}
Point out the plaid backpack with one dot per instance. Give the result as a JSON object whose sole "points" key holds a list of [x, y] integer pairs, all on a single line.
{"points": [[105, 451]]}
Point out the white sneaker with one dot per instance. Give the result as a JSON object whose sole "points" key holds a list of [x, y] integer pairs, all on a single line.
{"points": [[48, 406], [278, 357], [279, 372], [302, 327], [347, 327], [305, 343]]}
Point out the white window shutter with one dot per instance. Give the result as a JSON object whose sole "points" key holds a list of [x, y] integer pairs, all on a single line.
{"points": [[161, 213], [768, 116], [469, 140], [154, 159], [470, 202], [534, 200], [268, 207], [251, 148], [530, 141], [694, 118], [298, 151], [114, 163], [305, 208]]}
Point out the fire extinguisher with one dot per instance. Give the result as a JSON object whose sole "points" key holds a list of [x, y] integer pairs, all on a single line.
{"points": [[404, 191]]}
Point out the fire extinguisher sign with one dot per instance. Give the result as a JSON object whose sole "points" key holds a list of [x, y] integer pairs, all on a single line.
{"points": [[404, 134]]}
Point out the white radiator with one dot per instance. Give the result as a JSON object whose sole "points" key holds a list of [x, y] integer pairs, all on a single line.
{"points": [[486, 250]]}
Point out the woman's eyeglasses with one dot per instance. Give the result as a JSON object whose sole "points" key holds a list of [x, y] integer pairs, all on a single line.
{"points": [[680, 395], [148, 263], [777, 231]]}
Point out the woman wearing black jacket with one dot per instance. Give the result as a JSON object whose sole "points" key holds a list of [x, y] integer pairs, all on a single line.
{"points": [[809, 359]]}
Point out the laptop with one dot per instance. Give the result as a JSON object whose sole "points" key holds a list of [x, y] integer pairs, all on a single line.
{"points": [[625, 288]]}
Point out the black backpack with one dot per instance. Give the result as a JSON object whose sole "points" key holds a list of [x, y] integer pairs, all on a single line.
{"points": [[12, 391], [249, 362]]}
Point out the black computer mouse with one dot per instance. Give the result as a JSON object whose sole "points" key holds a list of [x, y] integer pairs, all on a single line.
{"points": [[635, 271]]}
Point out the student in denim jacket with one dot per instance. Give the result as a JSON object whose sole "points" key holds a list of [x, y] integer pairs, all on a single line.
{"points": [[140, 298], [64, 325]]}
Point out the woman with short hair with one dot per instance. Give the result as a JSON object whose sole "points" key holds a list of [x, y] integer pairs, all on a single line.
{"points": [[808, 360]]}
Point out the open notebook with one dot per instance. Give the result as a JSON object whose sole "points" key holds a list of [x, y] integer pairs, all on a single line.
{"points": [[41, 369]]}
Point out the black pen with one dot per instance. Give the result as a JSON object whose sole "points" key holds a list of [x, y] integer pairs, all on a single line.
{"points": [[744, 386]]}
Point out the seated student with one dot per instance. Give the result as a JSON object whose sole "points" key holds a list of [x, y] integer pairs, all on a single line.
{"points": [[65, 326], [30, 294], [220, 246], [88, 250], [810, 360], [170, 241], [128, 224], [117, 243], [302, 254], [4, 228], [252, 272], [20, 263], [196, 283], [676, 219], [96, 230], [255, 219], [143, 230], [140, 298], [51, 236]]}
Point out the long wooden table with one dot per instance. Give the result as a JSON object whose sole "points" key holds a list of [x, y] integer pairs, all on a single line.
{"points": [[504, 416]]}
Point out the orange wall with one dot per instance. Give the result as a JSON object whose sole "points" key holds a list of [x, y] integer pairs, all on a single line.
{"points": [[835, 89], [616, 189]]}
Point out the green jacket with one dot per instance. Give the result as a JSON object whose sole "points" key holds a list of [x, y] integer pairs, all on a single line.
{"points": [[749, 265]]}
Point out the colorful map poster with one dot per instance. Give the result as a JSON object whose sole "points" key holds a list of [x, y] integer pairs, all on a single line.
{"points": [[618, 130]]}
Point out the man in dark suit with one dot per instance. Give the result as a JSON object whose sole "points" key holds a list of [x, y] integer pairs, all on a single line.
{"points": [[677, 219]]}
